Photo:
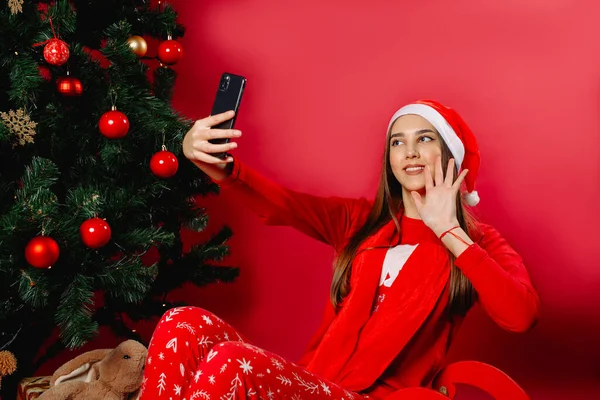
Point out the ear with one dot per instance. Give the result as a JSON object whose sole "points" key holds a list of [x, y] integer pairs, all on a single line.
{"points": [[81, 368]]}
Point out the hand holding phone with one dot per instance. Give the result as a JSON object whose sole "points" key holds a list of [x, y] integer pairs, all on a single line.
{"points": [[197, 148], [228, 97]]}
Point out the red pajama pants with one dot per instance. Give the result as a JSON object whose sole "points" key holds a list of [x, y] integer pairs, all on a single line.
{"points": [[194, 355]]}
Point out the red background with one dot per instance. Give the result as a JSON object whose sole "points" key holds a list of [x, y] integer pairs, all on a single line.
{"points": [[323, 79]]}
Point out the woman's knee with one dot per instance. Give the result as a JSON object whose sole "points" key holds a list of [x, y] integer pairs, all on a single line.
{"points": [[187, 314], [232, 356]]}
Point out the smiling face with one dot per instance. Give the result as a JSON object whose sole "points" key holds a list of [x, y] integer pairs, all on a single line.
{"points": [[413, 144]]}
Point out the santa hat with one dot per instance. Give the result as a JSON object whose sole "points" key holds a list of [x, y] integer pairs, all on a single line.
{"points": [[456, 134]]}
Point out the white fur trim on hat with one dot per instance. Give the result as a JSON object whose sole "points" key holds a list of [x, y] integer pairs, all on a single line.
{"points": [[472, 199], [440, 124]]}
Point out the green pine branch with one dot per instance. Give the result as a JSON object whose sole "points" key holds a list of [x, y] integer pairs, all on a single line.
{"points": [[75, 310]]}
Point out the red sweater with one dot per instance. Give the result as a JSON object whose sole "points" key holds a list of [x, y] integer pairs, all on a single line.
{"points": [[404, 343]]}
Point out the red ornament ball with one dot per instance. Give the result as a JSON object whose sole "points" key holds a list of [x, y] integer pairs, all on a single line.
{"points": [[56, 52], [170, 51], [164, 164], [114, 124], [69, 86], [42, 252], [95, 232]]}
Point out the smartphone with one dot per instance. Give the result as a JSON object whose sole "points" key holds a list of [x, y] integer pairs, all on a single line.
{"points": [[229, 96]]}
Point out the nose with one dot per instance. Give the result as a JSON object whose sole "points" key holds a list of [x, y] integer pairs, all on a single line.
{"points": [[411, 152]]}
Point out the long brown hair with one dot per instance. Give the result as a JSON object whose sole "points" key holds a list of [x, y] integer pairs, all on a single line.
{"points": [[387, 204]]}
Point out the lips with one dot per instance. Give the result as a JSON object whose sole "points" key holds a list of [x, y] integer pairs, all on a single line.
{"points": [[414, 169]]}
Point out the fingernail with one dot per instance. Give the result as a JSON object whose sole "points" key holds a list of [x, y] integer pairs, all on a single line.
{"points": [[233, 145], [237, 133]]}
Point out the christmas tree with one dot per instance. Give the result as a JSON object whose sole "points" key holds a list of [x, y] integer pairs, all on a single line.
{"points": [[92, 195]]}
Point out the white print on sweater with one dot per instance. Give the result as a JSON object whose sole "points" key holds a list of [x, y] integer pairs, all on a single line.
{"points": [[395, 258]]}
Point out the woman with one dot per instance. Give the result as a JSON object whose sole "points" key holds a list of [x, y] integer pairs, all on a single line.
{"points": [[408, 267]]}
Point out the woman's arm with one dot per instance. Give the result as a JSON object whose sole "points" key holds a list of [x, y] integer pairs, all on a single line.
{"points": [[327, 219], [500, 278]]}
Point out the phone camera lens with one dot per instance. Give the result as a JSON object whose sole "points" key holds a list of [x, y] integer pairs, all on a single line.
{"points": [[225, 82]]}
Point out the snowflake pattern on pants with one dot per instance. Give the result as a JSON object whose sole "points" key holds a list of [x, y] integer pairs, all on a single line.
{"points": [[194, 355]]}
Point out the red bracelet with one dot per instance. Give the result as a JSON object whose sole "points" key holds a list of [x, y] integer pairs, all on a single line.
{"points": [[456, 236], [448, 231]]}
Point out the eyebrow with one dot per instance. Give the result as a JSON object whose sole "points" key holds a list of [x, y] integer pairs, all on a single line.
{"points": [[419, 132]]}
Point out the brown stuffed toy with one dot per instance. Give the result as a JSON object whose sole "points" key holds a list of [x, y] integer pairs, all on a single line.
{"points": [[100, 374]]}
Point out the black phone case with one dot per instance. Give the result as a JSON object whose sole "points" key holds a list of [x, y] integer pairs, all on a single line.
{"points": [[229, 96]]}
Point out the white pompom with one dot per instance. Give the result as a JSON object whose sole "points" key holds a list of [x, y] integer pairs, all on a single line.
{"points": [[472, 199]]}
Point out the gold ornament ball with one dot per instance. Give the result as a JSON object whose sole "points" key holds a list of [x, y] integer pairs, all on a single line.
{"points": [[138, 45]]}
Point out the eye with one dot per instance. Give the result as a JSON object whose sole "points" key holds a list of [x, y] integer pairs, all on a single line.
{"points": [[395, 142], [126, 357], [429, 139]]}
